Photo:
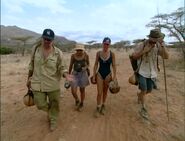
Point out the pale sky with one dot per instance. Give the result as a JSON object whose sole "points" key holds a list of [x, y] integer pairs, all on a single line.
{"points": [[85, 20]]}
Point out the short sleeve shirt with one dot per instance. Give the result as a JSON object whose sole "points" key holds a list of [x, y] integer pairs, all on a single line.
{"points": [[148, 61]]}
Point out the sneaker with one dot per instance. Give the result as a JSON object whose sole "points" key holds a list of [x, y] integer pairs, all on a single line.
{"points": [[53, 125], [102, 110], [80, 107], [97, 112], [143, 112]]}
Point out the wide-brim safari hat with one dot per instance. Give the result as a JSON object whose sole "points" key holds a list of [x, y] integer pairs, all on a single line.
{"points": [[155, 34], [79, 47]]}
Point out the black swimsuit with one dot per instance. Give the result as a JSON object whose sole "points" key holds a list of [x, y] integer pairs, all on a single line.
{"points": [[104, 67]]}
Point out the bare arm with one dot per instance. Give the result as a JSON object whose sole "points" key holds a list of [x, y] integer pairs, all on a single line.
{"points": [[88, 60], [96, 64], [137, 55], [71, 64], [140, 50], [114, 66], [163, 51]]}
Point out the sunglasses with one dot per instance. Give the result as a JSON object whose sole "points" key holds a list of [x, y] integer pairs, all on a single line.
{"points": [[46, 39], [79, 50], [152, 42], [106, 44]]}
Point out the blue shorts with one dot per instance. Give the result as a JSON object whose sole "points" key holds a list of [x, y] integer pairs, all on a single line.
{"points": [[146, 84]]}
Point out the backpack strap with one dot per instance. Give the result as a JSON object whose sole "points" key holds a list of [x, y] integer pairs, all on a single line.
{"points": [[33, 55]]}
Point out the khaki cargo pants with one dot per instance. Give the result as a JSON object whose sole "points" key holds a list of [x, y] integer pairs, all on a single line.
{"points": [[49, 102]]}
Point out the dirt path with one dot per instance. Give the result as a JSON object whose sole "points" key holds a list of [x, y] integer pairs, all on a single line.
{"points": [[121, 122]]}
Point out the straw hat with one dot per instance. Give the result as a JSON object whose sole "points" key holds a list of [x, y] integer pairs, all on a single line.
{"points": [[79, 47]]}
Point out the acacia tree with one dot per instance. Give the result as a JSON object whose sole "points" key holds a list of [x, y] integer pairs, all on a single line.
{"points": [[121, 44], [172, 22], [23, 40]]}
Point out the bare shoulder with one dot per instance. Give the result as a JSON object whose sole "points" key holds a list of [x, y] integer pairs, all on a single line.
{"points": [[139, 46], [86, 54], [113, 53], [98, 53]]}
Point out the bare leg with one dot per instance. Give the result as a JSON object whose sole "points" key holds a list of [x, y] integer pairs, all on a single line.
{"points": [[105, 89], [99, 89], [82, 96], [106, 86], [149, 91], [141, 97], [99, 95], [143, 110], [74, 93]]}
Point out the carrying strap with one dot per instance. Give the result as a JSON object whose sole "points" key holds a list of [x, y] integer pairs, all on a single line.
{"points": [[33, 56]]}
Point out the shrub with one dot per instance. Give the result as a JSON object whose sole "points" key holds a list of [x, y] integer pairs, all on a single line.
{"points": [[5, 50]]}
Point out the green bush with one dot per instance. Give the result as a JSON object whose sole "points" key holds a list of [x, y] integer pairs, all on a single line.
{"points": [[5, 50]]}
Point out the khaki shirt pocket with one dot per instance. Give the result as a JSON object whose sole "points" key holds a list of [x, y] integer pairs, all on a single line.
{"points": [[50, 66]]}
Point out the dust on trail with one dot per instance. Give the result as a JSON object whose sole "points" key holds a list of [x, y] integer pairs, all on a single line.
{"points": [[122, 121]]}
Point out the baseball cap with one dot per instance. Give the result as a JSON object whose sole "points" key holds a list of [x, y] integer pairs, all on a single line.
{"points": [[48, 34], [107, 40]]}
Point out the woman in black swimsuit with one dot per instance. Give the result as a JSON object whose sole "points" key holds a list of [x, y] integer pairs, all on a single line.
{"points": [[103, 75]]}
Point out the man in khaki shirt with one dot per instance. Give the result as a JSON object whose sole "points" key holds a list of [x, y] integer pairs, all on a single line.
{"points": [[45, 70], [146, 54]]}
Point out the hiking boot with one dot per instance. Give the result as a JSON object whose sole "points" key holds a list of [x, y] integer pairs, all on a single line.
{"points": [[102, 110], [77, 102], [53, 125], [97, 112], [143, 112], [80, 107]]}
